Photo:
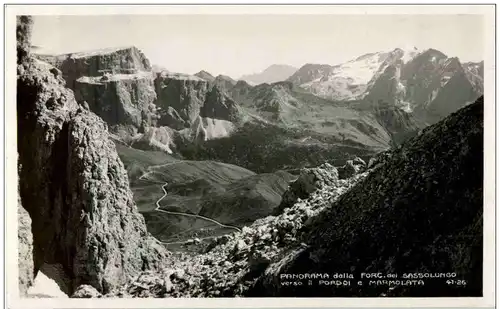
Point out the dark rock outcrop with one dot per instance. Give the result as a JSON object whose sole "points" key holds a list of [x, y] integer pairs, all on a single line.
{"points": [[437, 85], [25, 248], [419, 211], [122, 99], [75, 188], [24, 25], [475, 74], [185, 94], [218, 105], [309, 180], [86, 291], [351, 168]]}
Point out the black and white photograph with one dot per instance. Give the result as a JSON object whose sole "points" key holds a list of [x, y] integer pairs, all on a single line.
{"points": [[339, 154]]}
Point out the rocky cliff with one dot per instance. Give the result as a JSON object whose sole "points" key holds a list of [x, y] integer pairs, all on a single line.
{"points": [[25, 248], [218, 105], [97, 63], [419, 211], [75, 188], [183, 93], [121, 99], [428, 83]]}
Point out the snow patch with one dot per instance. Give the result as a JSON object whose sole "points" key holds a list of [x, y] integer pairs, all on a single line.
{"points": [[114, 77], [97, 52], [45, 287], [409, 53], [180, 76]]}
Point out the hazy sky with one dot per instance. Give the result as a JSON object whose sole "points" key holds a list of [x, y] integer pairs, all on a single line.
{"points": [[242, 44]]}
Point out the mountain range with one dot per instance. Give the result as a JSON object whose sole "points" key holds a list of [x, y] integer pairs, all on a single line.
{"points": [[138, 181], [318, 113]]}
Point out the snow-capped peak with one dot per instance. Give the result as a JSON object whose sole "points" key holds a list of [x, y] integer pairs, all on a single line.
{"points": [[349, 80], [409, 52]]}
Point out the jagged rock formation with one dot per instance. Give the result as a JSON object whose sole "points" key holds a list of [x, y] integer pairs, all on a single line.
{"points": [[475, 74], [309, 180], [351, 168], [24, 25], [218, 105], [426, 192], [184, 93], [276, 99], [121, 100], [437, 85], [75, 188]]}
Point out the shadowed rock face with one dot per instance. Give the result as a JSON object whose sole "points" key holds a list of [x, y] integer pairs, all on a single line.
{"points": [[218, 105], [25, 243], [128, 101], [75, 188], [184, 94], [24, 234], [419, 211]]}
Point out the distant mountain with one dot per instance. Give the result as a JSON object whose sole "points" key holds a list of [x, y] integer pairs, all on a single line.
{"points": [[274, 73], [205, 75], [373, 102], [428, 83], [224, 82], [350, 80]]}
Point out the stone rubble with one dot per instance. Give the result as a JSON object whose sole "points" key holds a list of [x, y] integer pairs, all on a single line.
{"points": [[232, 263]]}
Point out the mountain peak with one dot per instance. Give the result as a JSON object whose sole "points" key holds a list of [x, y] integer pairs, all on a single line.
{"points": [[273, 73], [205, 75]]}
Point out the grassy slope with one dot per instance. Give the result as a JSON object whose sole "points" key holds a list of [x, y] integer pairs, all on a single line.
{"points": [[225, 192], [136, 161], [250, 198], [265, 148]]}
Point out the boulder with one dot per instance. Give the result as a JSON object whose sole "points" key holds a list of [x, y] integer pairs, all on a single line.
{"points": [[309, 180], [86, 291]]}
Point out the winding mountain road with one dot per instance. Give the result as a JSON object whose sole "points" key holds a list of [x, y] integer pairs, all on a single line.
{"points": [[163, 187]]}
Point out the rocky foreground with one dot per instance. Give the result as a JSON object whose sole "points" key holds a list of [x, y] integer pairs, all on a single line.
{"points": [[231, 263]]}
